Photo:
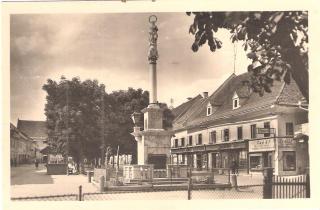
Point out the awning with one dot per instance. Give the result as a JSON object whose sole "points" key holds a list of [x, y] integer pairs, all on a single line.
{"points": [[45, 150], [301, 136]]}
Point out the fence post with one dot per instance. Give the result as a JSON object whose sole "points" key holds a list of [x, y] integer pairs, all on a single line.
{"points": [[80, 193], [308, 186], [189, 188], [267, 183], [89, 176]]}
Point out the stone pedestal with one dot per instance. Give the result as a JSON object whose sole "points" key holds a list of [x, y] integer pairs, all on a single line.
{"points": [[153, 141]]}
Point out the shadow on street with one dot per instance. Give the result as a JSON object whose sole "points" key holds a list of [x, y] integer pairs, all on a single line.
{"points": [[28, 174]]}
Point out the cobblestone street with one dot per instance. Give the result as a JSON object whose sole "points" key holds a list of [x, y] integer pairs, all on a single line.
{"points": [[28, 181]]}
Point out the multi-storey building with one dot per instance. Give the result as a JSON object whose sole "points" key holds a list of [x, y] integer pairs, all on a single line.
{"points": [[37, 130], [236, 124], [22, 147]]}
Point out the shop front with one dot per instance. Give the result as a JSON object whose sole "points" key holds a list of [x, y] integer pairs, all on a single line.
{"points": [[283, 154], [212, 156], [261, 154]]}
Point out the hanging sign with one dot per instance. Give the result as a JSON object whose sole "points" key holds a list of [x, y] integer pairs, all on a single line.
{"points": [[261, 145], [265, 130]]}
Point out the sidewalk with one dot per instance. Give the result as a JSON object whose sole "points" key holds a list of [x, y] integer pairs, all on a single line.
{"points": [[27, 181]]}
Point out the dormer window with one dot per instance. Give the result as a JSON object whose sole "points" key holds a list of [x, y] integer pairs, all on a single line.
{"points": [[209, 109], [235, 101]]}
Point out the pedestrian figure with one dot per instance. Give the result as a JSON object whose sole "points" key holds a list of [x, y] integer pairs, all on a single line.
{"points": [[234, 167], [36, 163]]}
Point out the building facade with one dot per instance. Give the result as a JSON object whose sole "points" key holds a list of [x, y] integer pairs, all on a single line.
{"points": [[237, 125], [22, 147], [36, 130]]}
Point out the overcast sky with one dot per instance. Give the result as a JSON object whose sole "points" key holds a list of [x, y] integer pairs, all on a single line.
{"points": [[113, 49]]}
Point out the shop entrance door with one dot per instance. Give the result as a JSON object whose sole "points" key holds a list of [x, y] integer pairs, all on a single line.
{"points": [[214, 160], [199, 161]]}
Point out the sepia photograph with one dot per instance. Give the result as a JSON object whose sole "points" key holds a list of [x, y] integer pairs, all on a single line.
{"points": [[189, 105]]}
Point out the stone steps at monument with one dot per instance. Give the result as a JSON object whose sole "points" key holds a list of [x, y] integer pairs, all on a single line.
{"points": [[159, 181]]}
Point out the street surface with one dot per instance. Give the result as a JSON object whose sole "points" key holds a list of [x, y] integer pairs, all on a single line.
{"points": [[28, 181]]}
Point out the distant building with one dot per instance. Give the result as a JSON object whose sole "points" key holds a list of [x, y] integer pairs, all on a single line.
{"points": [[37, 130], [22, 147], [236, 124]]}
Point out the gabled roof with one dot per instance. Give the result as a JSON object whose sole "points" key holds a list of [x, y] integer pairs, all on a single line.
{"points": [[15, 132], [34, 129], [183, 112], [252, 104]]}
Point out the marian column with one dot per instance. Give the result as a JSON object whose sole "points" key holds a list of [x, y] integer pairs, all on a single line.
{"points": [[153, 140], [152, 58]]}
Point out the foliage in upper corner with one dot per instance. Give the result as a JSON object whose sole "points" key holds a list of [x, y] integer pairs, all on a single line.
{"points": [[277, 43]]}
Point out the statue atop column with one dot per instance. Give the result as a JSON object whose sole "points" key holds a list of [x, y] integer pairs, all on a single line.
{"points": [[153, 37]]}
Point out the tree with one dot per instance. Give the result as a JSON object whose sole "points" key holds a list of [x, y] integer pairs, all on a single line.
{"points": [[72, 112], [124, 103], [86, 122], [277, 43]]}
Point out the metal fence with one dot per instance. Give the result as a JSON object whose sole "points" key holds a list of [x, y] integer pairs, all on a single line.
{"points": [[292, 187], [221, 185], [67, 197]]}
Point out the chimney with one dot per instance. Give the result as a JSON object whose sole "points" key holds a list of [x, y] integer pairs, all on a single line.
{"points": [[205, 94], [189, 98]]}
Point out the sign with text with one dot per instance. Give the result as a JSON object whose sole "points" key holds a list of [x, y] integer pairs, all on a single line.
{"points": [[261, 145], [265, 130], [286, 142]]}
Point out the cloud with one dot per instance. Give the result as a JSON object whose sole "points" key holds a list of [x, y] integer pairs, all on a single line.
{"points": [[113, 48]]}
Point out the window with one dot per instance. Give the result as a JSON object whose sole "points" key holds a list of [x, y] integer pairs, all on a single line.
{"points": [[199, 138], [253, 131], [182, 142], [213, 137], [289, 129], [209, 109], [235, 103], [235, 100], [289, 161], [255, 162], [240, 133], [226, 134], [190, 140], [176, 143], [266, 125]]}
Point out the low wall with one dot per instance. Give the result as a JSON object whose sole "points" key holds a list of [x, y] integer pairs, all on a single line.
{"points": [[57, 169], [177, 171], [138, 172], [106, 172]]}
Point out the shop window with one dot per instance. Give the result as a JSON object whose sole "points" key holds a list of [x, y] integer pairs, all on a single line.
{"points": [[176, 143], [182, 142], [253, 131], [289, 129], [240, 136], [243, 159], [213, 137], [182, 159], [255, 162], [289, 161], [199, 139], [266, 125], [199, 160], [226, 135], [190, 140]]}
